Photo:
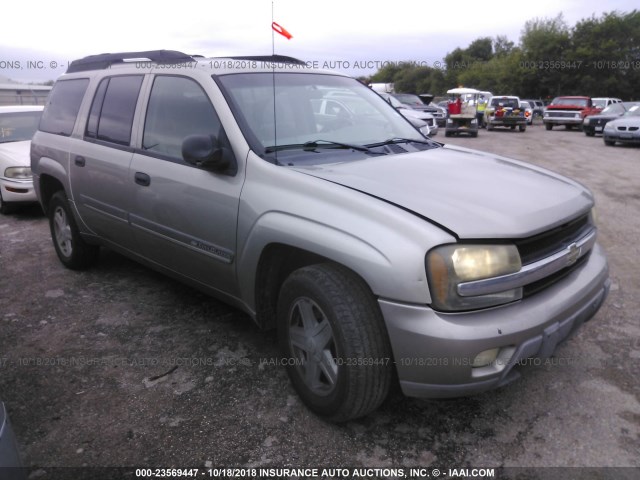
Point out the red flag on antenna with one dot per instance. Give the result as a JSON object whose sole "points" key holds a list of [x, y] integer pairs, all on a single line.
{"points": [[281, 30]]}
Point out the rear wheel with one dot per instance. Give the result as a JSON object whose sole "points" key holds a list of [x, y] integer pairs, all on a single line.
{"points": [[590, 134], [333, 336], [72, 250]]}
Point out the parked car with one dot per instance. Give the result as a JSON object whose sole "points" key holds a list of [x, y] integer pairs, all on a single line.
{"points": [[411, 114], [595, 123], [379, 255], [528, 111], [604, 102], [17, 126], [625, 129], [537, 105], [423, 103], [505, 111]]}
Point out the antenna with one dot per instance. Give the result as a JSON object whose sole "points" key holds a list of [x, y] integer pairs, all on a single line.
{"points": [[273, 82]]}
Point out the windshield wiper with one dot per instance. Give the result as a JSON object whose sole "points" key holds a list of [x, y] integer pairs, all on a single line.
{"points": [[392, 141], [313, 145]]}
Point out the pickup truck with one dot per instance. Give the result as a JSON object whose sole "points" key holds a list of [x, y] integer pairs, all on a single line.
{"points": [[568, 111], [505, 111]]}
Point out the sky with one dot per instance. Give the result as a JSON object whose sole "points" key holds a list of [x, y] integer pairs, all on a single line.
{"points": [[39, 38]]}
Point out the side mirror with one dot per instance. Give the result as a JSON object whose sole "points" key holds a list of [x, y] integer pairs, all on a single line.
{"points": [[206, 152]]}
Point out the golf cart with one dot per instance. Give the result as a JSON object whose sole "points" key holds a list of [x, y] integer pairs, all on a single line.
{"points": [[461, 112]]}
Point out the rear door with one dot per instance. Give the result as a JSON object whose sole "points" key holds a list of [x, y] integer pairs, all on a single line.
{"points": [[99, 165]]}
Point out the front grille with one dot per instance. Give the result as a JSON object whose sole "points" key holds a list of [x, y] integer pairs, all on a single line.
{"points": [[547, 243], [550, 242], [562, 114]]}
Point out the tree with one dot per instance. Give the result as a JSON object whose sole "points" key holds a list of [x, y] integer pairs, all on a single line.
{"points": [[545, 44]]}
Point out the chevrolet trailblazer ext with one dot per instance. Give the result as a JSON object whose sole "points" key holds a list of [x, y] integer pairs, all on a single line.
{"points": [[368, 246]]}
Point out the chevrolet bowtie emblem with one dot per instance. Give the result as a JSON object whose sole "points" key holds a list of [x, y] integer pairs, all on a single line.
{"points": [[573, 254]]}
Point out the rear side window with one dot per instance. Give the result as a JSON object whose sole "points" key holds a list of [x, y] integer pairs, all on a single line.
{"points": [[60, 113], [113, 108]]}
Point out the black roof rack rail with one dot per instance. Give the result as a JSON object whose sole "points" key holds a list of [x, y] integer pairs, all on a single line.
{"points": [[271, 59], [105, 60]]}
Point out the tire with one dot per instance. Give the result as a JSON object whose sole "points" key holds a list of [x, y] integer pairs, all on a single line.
{"points": [[474, 134], [328, 320], [489, 127], [590, 134], [522, 128], [568, 127], [5, 208], [548, 126], [447, 134], [513, 127], [72, 250], [609, 143]]}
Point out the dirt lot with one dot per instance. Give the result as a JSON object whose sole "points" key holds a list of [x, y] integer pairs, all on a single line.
{"points": [[119, 366]]}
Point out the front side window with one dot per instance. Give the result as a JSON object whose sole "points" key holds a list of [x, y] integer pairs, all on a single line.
{"points": [[113, 108], [178, 107], [62, 107]]}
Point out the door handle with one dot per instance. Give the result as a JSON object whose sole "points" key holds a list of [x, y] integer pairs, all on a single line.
{"points": [[79, 161], [142, 179]]}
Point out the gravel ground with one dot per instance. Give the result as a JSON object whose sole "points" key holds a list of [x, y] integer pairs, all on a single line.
{"points": [[120, 366]]}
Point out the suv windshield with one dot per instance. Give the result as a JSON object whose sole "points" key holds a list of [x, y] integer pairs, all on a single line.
{"points": [[18, 126], [311, 109]]}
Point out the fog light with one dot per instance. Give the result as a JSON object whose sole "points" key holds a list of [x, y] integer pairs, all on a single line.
{"points": [[485, 358]]}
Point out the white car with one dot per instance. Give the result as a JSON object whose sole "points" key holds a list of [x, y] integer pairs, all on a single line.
{"points": [[17, 126], [528, 110]]}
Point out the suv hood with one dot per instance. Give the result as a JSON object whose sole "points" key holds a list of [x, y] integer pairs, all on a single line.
{"points": [[470, 193]]}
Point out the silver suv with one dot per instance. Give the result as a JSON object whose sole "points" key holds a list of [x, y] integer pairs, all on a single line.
{"points": [[378, 254]]}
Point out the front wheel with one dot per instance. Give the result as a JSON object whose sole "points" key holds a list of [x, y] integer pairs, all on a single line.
{"points": [[548, 126], [334, 340], [72, 250], [522, 128], [609, 143]]}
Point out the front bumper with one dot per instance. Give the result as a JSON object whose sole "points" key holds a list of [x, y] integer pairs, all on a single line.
{"points": [[632, 138], [434, 352], [563, 120], [17, 191]]}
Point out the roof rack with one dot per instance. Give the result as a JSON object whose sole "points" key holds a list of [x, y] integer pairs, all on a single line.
{"points": [[270, 58], [105, 60]]}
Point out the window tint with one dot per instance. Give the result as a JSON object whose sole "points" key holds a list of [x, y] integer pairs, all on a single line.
{"points": [[62, 107], [178, 107], [96, 106], [118, 107]]}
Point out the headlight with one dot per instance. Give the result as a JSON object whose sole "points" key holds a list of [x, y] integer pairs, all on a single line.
{"points": [[609, 127], [449, 120], [450, 265], [577, 115], [18, 172], [585, 121], [425, 130], [474, 121]]}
